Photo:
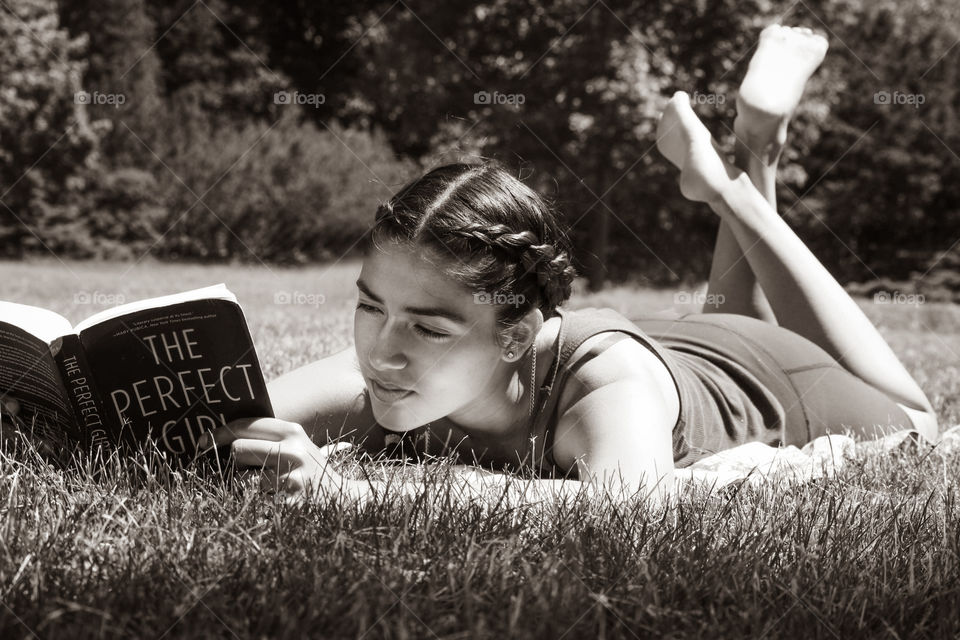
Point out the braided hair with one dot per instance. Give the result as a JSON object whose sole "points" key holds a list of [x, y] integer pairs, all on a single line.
{"points": [[487, 230]]}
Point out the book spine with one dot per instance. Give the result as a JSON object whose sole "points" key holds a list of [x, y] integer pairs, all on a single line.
{"points": [[92, 429]]}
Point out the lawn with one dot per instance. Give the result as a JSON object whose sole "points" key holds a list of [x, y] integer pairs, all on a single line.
{"points": [[870, 552]]}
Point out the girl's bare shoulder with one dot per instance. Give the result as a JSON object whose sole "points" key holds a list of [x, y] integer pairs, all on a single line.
{"points": [[625, 359]]}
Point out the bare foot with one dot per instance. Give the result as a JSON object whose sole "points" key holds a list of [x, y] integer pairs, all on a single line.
{"points": [[671, 140], [686, 143], [778, 72]]}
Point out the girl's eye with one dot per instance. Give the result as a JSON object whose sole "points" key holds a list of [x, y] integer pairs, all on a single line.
{"points": [[430, 335], [426, 333]]}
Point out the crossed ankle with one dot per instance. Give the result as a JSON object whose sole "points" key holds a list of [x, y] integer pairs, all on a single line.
{"points": [[734, 192], [759, 150]]}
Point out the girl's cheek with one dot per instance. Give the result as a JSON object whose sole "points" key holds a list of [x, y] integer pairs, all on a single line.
{"points": [[361, 332]]}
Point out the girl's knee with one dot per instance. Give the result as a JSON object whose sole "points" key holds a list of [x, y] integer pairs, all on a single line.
{"points": [[924, 422]]}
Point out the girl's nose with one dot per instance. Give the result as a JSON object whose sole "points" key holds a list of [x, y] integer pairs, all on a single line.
{"points": [[387, 353]]}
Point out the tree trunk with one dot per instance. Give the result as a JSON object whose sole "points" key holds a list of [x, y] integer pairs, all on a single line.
{"points": [[596, 262]]}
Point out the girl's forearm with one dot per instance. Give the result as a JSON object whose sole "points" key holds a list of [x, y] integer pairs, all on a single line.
{"points": [[491, 488], [495, 488]]}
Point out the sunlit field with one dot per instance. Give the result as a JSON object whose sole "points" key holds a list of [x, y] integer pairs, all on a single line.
{"points": [[873, 551]]}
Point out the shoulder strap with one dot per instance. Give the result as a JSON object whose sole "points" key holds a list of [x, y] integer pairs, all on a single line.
{"points": [[575, 328]]}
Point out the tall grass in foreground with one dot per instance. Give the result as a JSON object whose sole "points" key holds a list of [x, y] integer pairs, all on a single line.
{"points": [[116, 550], [108, 549]]}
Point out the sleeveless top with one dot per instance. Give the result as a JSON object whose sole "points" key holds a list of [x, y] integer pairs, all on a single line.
{"points": [[726, 399], [730, 393]]}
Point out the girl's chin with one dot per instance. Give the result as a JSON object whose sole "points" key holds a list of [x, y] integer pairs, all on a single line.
{"points": [[394, 421]]}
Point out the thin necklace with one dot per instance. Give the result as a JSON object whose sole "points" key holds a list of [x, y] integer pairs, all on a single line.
{"points": [[533, 379]]}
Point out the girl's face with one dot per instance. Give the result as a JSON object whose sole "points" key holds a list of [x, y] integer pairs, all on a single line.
{"points": [[418, 331]]}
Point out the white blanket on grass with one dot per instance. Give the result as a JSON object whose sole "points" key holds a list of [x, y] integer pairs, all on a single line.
{"points": [[757, 463]]}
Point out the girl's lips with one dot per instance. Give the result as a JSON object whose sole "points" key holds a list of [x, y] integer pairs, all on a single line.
{"points": [[387, 395]]}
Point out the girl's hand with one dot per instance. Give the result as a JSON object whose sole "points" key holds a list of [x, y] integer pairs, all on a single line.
{"points": [[291, 464], [9, 409]]}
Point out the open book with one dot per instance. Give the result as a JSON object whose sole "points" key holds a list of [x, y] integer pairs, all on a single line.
{"points": [[168, 368]]}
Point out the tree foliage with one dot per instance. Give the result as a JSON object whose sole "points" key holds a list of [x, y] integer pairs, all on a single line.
{"points": [[566, 92], [45, 137]]}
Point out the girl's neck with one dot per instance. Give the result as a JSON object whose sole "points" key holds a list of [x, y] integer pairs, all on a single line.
{"points": [[504, 412]]}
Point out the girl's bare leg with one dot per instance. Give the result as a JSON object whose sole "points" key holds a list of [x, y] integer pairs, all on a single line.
{"points": [[732, 287], [802, 293], [771, 90]]}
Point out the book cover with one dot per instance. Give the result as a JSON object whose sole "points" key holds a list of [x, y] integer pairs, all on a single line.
{"points": [[167, 369]]}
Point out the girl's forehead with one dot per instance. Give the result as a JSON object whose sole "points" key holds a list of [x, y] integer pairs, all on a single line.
{"points": [[402, 272], [401, 278]]}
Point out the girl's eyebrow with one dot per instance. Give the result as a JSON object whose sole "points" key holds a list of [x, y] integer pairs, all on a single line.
{"points": [[453, 316]]}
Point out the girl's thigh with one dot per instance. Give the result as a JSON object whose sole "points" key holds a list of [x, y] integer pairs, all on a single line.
{"points": [[836, 401], [833, 399]]}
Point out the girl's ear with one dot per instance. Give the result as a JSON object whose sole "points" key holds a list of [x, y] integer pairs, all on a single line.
{"points": [[515, 341]]}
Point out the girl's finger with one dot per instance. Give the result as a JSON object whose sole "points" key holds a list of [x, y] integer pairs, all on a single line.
{"points": [[252, 428], [11, 405], [265, 454], [283, 487], [334, 447], [273, 482]]}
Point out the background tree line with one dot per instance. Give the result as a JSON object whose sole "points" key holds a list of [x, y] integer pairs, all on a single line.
{"points": [[268, 131]]}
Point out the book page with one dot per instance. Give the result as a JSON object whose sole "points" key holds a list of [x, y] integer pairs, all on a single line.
{"points": [[42, 323], [28, 375], [218, 291]]}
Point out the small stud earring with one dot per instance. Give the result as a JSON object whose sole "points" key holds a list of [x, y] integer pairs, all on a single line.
{"points": [[509, 354]]}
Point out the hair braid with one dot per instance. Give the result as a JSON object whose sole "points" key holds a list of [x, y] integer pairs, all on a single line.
{"points": [[499, 236], [553, 269], [489, 232], [551, 266]]}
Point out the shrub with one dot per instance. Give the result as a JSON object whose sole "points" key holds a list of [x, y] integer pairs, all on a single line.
{"points": [[285, 192], [46, 139]]}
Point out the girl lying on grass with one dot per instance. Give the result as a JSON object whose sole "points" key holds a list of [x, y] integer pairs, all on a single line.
{"points": [[462, 343]]}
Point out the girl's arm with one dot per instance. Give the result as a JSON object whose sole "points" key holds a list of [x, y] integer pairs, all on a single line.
{"points": [[623, 423], [622, 427], [327, 399], [291, 464], [474, 486]]}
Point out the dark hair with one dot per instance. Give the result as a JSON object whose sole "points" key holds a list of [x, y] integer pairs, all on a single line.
{"points": [[493, 233]]}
